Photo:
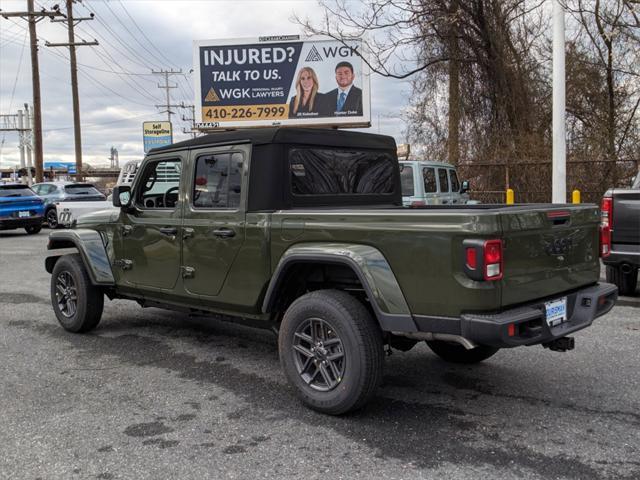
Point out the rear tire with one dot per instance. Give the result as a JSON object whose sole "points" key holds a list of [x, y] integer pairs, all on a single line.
{"points": [[76, 302], [52, 218], [33, 229], [331, 350], [454, 353], [626, 282]]}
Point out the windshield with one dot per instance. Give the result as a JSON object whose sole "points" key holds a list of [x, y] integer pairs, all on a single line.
{"points": [[81, 190], [16, 191]]}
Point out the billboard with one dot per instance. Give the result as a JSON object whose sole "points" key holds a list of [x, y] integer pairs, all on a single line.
{"points": [[156, 134], [285, 80]]}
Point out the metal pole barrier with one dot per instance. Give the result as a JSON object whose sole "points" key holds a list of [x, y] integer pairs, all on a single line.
{"points": [[510, 196], [575, 196]]}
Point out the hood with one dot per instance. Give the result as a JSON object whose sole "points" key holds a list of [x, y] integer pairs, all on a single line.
{"points": [[108, 215]]}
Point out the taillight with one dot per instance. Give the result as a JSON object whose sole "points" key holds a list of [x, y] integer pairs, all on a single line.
{"points": [[605, 241], [471, 258], [606, 212], [483, 259], [493, 260]]}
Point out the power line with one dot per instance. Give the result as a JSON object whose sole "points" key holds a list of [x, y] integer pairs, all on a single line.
{"points": [[145, 36], [32, 17], [72, 44]]}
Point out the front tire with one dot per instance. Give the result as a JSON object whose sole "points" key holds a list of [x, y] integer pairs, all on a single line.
{"points": [[52, 218], [33, 229], [454, 353], [331, 350], [76, 302], [626, 282]]}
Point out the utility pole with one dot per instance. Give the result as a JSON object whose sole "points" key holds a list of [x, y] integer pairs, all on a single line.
{"points": [[166, 87], [71, 23], [32, 18], [20, 123], [191, 119]]}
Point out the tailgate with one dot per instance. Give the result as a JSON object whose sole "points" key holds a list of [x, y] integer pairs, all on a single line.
{"points": [[548, 250], [626, 217]]}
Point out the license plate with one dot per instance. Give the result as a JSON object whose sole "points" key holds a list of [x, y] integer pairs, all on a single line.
{"points": [[556, 311], [23, 214]]}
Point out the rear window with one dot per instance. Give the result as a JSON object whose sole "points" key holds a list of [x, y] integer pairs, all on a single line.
{"points": [[81, 190], [406, 178], [337, 172], [17, 191]]}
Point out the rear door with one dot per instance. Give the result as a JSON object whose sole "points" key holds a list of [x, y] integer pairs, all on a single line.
{"points": [[548, 250], [430, 185], [214, 218]]}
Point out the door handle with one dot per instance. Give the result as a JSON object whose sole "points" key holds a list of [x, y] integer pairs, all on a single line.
{"points": [[168, 230], [224, 233]]}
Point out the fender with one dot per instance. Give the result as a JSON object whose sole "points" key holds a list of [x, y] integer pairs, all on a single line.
{"points": [[369, 265], [91, 248]]}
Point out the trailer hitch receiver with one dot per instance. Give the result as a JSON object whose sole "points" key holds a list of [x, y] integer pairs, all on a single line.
{"points": [[562, 344]]}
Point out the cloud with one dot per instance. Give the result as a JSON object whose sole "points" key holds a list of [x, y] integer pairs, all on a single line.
{"points": [[114, 106]]}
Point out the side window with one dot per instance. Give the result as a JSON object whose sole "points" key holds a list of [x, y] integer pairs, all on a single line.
{"points": [[406, 178], [429, 176], [218, 180], [444, 180], [455, 184], [36, 188], [159, 185]]}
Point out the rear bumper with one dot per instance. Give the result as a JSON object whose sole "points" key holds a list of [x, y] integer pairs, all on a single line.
{"points": [[13, 223], [621, 254], [530, 325]]}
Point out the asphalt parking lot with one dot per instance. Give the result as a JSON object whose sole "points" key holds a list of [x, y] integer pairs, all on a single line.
{"points": [[153, 394]]}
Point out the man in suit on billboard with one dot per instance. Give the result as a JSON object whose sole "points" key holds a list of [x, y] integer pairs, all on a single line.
{"points": [[346, 100]]}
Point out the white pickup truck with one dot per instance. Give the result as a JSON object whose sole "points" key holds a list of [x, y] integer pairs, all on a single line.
{"points": [[68, 212]]}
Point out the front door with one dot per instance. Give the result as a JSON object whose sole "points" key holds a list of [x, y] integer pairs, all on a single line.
{"points": [[152, 233], [214, 219]]}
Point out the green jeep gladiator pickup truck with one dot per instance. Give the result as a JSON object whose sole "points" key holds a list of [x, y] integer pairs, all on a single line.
{"points": [[304, 231]]}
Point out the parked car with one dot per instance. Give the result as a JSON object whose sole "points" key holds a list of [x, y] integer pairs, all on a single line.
{"points": [[621, 214], [20, 207], [56, 192], [303, 231], [431, 183]]}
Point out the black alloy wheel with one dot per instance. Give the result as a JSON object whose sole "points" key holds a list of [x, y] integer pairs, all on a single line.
{"points": [[66, 294], [52, 218], [319, 354]]}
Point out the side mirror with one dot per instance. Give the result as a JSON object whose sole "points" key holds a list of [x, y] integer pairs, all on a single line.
{"points": [[122, 196], [464, 188]]}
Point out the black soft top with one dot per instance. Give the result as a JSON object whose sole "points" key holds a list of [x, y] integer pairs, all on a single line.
{"points": [[287, 135]]}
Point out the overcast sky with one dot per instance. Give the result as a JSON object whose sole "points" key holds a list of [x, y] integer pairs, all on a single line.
{"points": [[113, 106]]}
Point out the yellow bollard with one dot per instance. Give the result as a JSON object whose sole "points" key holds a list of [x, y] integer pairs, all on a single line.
{"points": [[575, 196], [510, 196]]}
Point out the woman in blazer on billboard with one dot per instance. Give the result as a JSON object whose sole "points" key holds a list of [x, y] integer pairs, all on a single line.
{"points": [[307, 99]]}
